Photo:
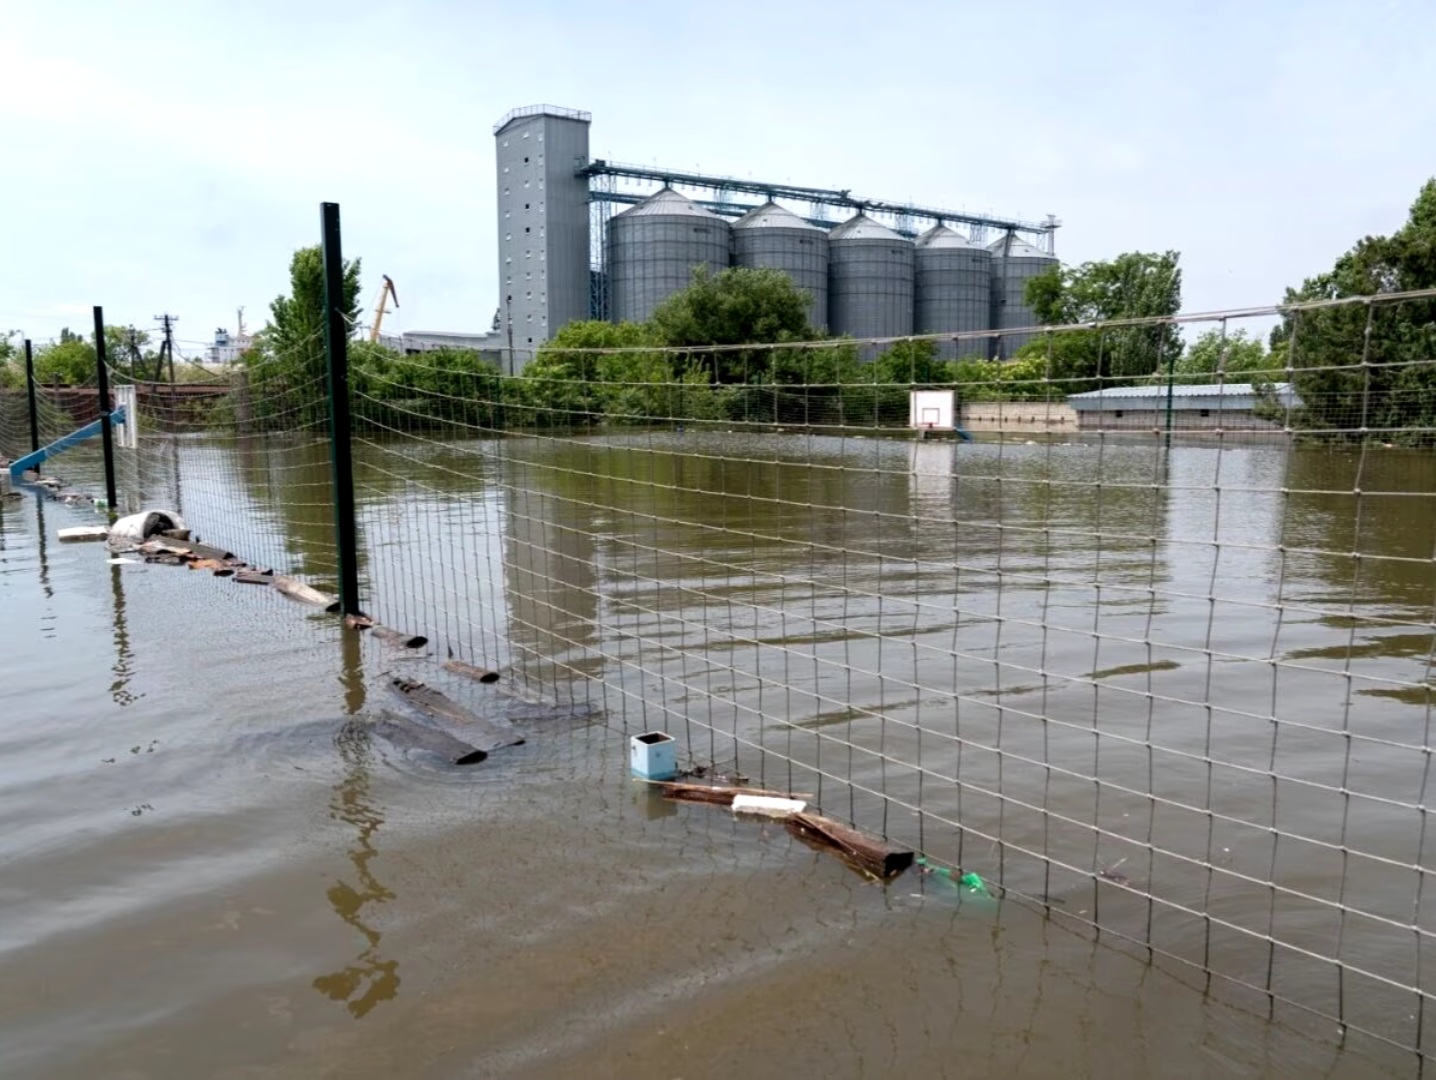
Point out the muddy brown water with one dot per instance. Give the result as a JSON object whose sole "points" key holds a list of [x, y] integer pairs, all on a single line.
{"points": [[199, 878]]}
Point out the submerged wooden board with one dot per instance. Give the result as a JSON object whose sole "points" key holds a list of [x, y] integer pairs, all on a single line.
{"points": [[84, 532], [485, 734], [406, 734]]}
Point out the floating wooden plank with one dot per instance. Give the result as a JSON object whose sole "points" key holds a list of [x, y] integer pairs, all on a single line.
{"points": [[358, 622], [79, 533], [399, 638], [305, 594], [862, 853], [254, 577], [207, 551], [487, 734], [469, 671]]}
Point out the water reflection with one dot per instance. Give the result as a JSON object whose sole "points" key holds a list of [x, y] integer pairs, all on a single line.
{"points": [[551, 578], [42, 552], [123, 668], [370, 979]]}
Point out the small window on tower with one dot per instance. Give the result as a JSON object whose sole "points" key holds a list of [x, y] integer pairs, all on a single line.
{"points": [[526, 229], [526, 206], [526, 161]]}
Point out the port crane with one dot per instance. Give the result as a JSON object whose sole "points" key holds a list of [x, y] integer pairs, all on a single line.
{"points": [[386, 292]]}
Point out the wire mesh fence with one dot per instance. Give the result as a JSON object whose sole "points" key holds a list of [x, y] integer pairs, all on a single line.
{"points": [[1145, 644]]}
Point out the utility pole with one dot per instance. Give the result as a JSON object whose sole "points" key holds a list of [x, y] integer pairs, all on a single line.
{"points": [[134, 351], [167, 348]]}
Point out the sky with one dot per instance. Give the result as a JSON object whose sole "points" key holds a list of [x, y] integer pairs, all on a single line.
{"points": [[169, 157]]}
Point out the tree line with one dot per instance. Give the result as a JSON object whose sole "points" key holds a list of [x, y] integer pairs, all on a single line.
{"points": [[737, 345]]}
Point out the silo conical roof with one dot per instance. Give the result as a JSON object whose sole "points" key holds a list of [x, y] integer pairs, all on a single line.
{"points": [[1020, 249], [862, 227], [668, 203], [940, 236], [772, 216]]}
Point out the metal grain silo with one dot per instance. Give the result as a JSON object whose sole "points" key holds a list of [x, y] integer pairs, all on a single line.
{"points": [[1014, 263], [870, 271], [653, 248], [770, 236], [953, 289]]}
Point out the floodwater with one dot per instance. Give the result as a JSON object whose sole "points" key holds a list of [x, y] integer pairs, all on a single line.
{"points": [[1078, 651]]}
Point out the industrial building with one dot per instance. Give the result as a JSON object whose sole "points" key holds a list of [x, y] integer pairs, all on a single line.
{"points": [[1204, 407], [581, 239]]}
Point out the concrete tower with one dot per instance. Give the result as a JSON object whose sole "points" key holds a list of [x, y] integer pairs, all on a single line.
{"points": [[543, 224]]}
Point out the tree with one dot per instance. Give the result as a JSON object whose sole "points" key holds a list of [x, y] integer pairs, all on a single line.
{"points": [[1383, 380], [737, 306], [287, 370], [1235, 357], [565, 381], [12, 362], [1134, 285]]}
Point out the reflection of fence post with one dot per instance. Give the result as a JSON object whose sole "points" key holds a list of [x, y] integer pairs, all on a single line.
{"points": [[30, 393], [243, 406], [336, 348], [107, 437]]}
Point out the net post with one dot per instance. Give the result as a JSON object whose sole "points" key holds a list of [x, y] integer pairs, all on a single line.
{"points": [[336, 349], [30, 396], [107, 437]]}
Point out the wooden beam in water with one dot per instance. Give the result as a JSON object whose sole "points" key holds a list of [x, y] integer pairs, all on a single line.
{"points": [[469, 671], [487, 734]]}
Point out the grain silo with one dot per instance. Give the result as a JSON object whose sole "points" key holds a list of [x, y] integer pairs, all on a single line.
{"points": [[1014, 263], [870, 271], [770, 236], [653, 248], [953, 287]]}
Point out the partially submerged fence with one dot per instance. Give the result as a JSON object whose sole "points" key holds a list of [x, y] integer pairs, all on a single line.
{"points": [[1171, 679]]}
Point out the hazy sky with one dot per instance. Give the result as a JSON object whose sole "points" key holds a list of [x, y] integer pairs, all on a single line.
{"points": [[170, 156]]}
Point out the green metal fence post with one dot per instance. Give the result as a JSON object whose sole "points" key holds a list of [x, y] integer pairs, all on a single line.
{"points": [[336, 348], [30, 394], [107, 437]]}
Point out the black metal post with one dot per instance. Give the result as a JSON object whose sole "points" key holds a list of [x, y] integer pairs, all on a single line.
{"points": [[30, 393], [107, 437], [336, 347]]}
